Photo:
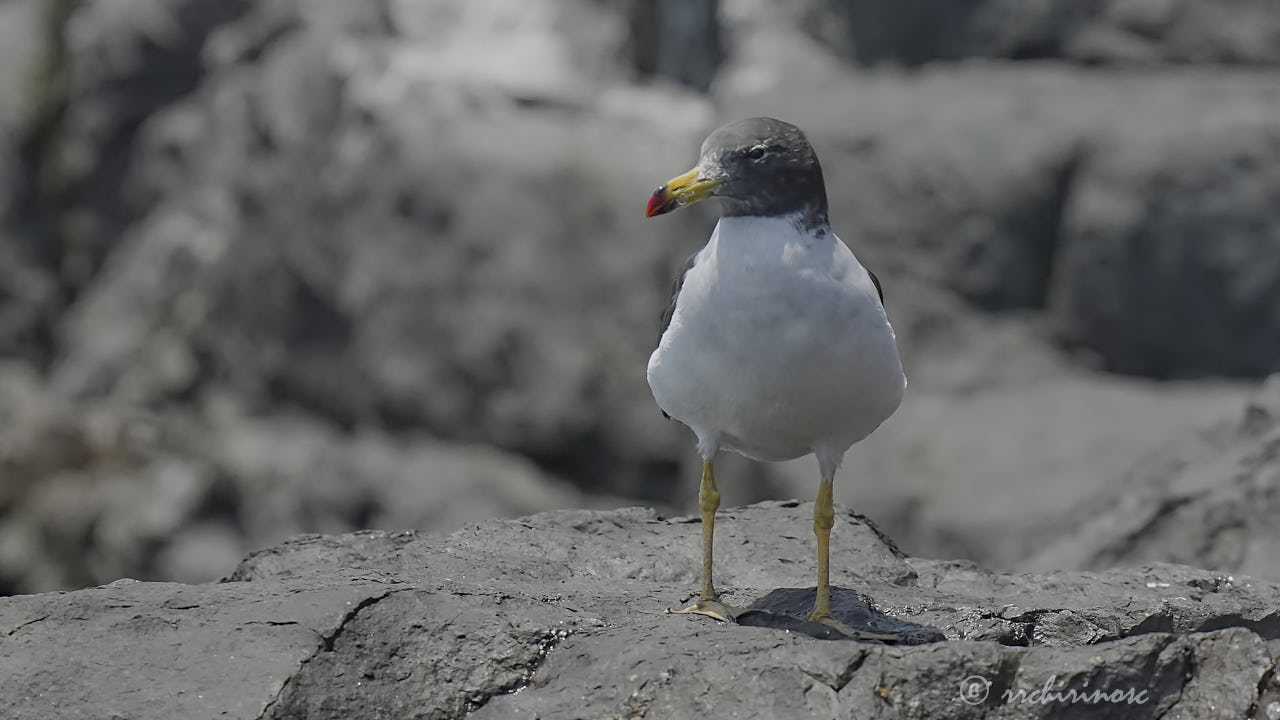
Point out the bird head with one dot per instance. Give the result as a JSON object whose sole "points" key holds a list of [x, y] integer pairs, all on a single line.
{"points": [[758, 166]]}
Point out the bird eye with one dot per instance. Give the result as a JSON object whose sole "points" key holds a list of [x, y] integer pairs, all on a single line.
{"points": [[756, 152]]}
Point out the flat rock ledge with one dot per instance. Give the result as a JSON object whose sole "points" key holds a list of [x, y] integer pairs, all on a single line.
{"points": [[562, 615]]}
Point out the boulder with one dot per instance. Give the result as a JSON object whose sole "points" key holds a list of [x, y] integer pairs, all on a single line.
{"points": [[20, 56], [1119, 32], [461, 263], [27, 288], [1168, 266], [980, 472], [562, 615], [1208, 499], [397, 231], [110, 66], [680, 40], [94, 493]]}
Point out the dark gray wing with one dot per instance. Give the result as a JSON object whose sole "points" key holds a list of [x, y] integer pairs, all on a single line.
{"points": [[875, 280], [671, 306], [675, 293]]}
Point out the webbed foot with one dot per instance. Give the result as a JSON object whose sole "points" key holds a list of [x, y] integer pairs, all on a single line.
{"points": [[712, 608]]}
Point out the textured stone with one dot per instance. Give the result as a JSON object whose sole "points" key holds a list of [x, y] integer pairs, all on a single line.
{"points": [[1168, 265], [27, 290], [1209, 499], [438, 276], [105, 492], [378, 227], [561, 615], [978, 469], [172, 647], [1234, 32]]}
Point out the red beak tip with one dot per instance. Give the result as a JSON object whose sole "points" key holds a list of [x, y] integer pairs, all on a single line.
{"points": [[654, 207]]}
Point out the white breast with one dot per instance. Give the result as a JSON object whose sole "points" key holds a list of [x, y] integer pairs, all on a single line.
{"points": [[779, 345]]}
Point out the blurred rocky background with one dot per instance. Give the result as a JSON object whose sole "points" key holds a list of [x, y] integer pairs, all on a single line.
{"points": [[283, 266]]}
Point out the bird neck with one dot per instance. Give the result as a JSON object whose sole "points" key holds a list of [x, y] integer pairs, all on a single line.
{"points": [[808, 218], [767, 235]]}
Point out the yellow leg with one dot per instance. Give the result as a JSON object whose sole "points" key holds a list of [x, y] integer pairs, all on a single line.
{"points": [[708, 600], [824, 517], [708, 503]]}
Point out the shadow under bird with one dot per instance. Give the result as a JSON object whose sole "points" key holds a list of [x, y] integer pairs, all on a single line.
{"points": [[776, 343]]}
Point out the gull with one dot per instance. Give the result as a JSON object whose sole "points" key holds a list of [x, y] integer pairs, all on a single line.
{"points": [[775, 344]]}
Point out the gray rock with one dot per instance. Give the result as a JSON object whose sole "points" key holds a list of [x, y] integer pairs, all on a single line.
{"points": [[173, 647], [19, 57], [100, 492], [23, 54], [411, 223], [111, 66], [1235, 32], [466, 267], [27, 290], [561, 615], [981, 470], [1167, 267], [676, 39], [1208, 500], [437, 279]]}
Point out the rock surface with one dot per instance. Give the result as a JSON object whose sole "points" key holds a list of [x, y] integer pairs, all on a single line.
{"points": [[561, 615], [465, 269], [1156, 212], [943, 475], [102, 492], [400, 229], [1232, 32], [1209, 499]]}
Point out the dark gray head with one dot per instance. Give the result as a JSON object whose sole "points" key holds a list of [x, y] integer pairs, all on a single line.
{"points": [[758, 166]]}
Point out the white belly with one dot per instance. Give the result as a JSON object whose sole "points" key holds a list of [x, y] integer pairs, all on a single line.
{"points": [[779, 346]]}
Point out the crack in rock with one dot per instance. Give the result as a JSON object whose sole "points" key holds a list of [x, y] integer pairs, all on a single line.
{"points": [[546, 643], [325, 642], [844, 677], [331, 638], [1266, 704], [21, 625]]}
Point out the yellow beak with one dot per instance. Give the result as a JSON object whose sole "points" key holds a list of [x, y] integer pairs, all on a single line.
{"points": [[679, 191]]}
